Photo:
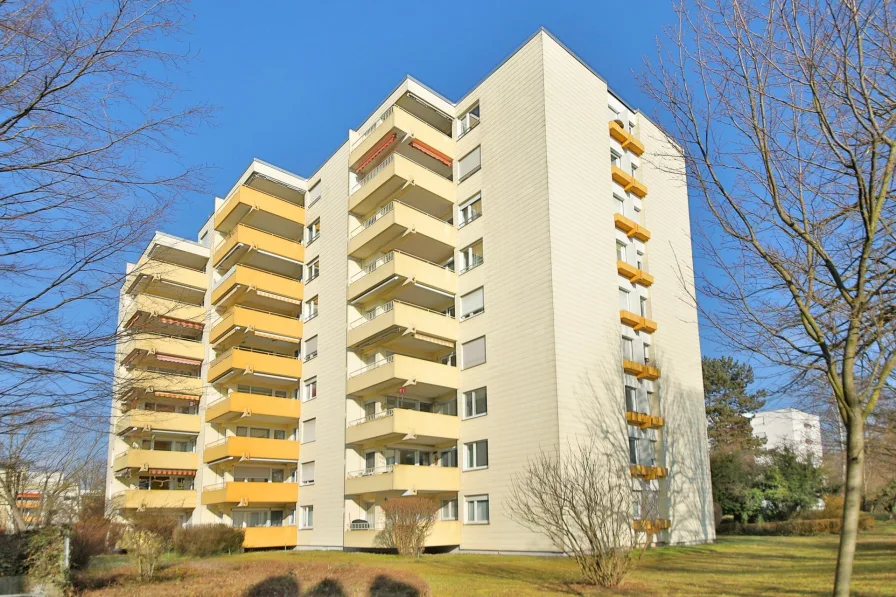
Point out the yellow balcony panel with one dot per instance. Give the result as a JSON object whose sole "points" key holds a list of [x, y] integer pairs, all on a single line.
{"points": [[241, 365], [261, 250], [400, 477], [651, 526], [640, 370], [643, 420], [620, 176], [148, 420], [397, 225], [637, 188], [400, 276], [419, 378], [628, 140], [633, 274], [617, 131], [394, 424], [624, 224], [641, 233], [155, 459], [279, 331], [138, 383], [402, 123], [399, 177], [444, 533], [404, 327], [259, 289], [159, 350], [252, 407], [167, 280], [633, 145], [648, 473], [260, 210], [637, 322], [247, 494], [139, 499], [245, 449], [261, 537]]}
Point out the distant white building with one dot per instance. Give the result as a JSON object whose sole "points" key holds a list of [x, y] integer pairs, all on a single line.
{"points": [[790, 427]]}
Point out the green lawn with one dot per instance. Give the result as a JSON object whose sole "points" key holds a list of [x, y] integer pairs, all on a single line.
{"points": [[734, 566]]}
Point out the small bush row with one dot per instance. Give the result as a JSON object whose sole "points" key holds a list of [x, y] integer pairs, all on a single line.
{"points": [[797, 528], [204, 540]]}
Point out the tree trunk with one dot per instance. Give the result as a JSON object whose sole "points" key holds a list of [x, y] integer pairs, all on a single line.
{"points": [[855, 464]]}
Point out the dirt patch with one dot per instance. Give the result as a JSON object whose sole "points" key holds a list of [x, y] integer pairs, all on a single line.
{"points": [[216, 578]]}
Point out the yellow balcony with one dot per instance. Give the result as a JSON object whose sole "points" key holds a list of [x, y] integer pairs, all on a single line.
{"points": [[143, 420], [633, 274], [640, 371], [651, 526], [625, 138], [402, 123], [400, 226], [241, 365], [247, 494], [643, 420], [140, 499], [419, 378], [253, 407], [259, 289], [444, 533], [260, 249], [167, 280], [631, 228], [259, 537], [399, 477], [240, 322], [399, 177], [247, 448], [405, 328], [628, 182], [637, 322], [138, 383], [156, 459], [648, 473], [144, 352], [394, 424], [144, 309], [260, 210], [400, 276]]}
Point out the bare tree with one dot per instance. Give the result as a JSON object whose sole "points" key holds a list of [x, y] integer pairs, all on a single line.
{"points": [[408, 522], [582, 500], [784, 111], [88, 127]]}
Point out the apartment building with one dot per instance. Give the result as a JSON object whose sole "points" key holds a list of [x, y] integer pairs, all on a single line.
{"points": [[791, 428], [460, 285]]}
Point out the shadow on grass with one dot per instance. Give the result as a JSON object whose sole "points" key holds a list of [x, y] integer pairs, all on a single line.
{"points": [[327, 588], [275, 586], [383, 586]]}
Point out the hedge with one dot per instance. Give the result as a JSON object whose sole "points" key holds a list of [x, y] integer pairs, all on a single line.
{"points": [[798, 528], [203, 540]]}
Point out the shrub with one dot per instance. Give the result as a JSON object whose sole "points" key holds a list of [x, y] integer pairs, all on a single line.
{"points": [[797, 527], [14, 553], [204, 540], [89, 538], [408, 522], [145, 548], [45, 560], [157, 522]]}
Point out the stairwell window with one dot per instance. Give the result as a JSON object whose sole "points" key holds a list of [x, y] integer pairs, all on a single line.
{"points": [[306, 518], [472, 256], [310, 390], [473, 353], [628, 349], [477, 509], [621, 250], [476, 455], [308, 473], [623, 299], [469, 164], [615, 159], [472, 303], [620, 204], [309, 431], [475, 403], [469, 210]]}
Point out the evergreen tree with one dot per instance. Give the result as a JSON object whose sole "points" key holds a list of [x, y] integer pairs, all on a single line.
{"points": [[728, 400]]}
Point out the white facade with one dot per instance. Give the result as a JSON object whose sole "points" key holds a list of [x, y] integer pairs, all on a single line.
{"points": [[789, 427]]}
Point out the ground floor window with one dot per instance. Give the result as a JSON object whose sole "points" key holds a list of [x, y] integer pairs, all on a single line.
{"points": [[477, 509]]}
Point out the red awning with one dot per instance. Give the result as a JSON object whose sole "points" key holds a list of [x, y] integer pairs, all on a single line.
{"points": [[181, 322], [433, 153], [166, 358], [171, 471], [377, 151], [133, 320], [175, 395]]}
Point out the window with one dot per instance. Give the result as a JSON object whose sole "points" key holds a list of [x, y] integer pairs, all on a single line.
{"points": [[448, 510], [477, 509], [473, 353], [476, 455], [308, 473], [631, 399], [615, 159], [628, 349], [642, 446], [639, 260], [620, 204], [448, 458], [313, 269], [623, 299], [635, 171], [468, 122], [472, 303], [279, 434], [306, 517], [311, 309], [448, 407], [469, 164], [471, 256], [310, 348], [646, 353], [469, 210], [475, 403], [315, 194], [310, 390], [312, 232], [643, 305], [309, 431], [620, 251]]}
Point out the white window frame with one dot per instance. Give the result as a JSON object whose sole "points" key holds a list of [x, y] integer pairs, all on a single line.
{"points": [[621, 251], [463, 316], [475, 499], [310, 232], [463, 346], [468, 121], [473, 171], [314, 269], [305, 423], [474, 394], [302, 473], [312, 308], [303, 517], [465, 213], [310, 355], [451, 504], [316, 193], [471, 452], [467, 255], [312, 382]]}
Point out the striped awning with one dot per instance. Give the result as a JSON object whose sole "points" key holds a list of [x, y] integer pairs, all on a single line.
{"points": [[181, 322], [167, 358], [133, 319], [389, 140], [171, 471], [430, 151], [276, 337], [177, 396], [278, 297]]}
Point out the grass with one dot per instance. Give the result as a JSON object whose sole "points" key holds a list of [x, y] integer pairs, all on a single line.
{"points": [[734, 566]]}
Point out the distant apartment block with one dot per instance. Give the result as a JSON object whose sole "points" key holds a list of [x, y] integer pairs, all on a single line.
{"points": [[792, 428], [460, 285]]}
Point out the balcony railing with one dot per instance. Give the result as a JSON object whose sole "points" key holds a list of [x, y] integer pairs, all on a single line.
{"points": [[475, 261], [380, 415], [366, 472], [387, 308], [373, 219], [372, 267], [372, 366], [377, 525], [370, 175], [369, 130], [229, 351]]}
